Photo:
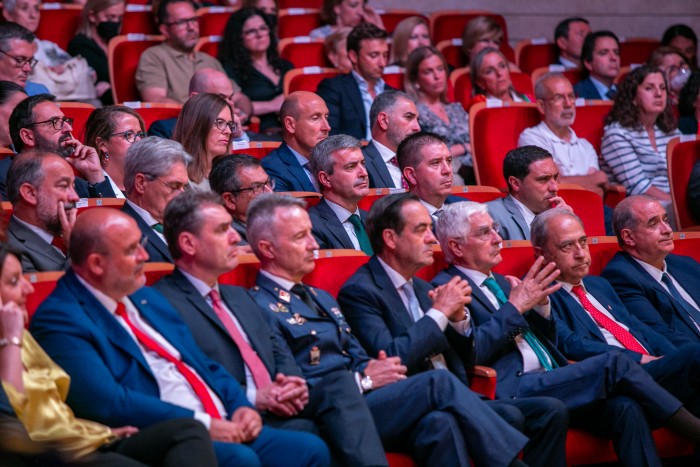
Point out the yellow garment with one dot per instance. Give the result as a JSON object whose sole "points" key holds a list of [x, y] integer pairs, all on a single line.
{"points": [[42, 408]]}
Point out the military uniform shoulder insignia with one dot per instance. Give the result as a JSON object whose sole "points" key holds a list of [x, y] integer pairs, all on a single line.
{"points": [[284, 296]]}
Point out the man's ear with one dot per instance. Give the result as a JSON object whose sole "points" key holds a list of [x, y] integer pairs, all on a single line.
{"points": [[390, 238], [627, 237], [140, 181], [352, 56], [96, 264], [514, 183], [187, 242], [266, 249], [289, 123], [324, 180], [27, 137], [383, 121], [29, 194], [229, 200], [455, 247], [409, 174]]}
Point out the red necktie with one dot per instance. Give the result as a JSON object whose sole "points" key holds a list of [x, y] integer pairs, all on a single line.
{"points": [[393, 161], [621, 334], [60, 244], [192, 378], [255, 365]]}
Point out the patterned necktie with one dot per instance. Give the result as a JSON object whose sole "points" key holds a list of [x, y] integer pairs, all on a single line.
{"points": [[690, 309], [621, 334], [255, 365], [413, 305], [192, 378], [612, 92], [361, 233], [60, 244], [158, 228], [543, 355], [393, 161]]}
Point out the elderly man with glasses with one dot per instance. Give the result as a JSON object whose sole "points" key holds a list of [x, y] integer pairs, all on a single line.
{"points": [[165, 70], [239, 179], [155, 172], [17, 49]]}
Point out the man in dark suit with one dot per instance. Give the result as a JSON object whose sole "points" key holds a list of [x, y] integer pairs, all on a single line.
{"points": [[532, 178], [658, 287], [37, 123], [229, 326], [600, 55], [239, 179], [433, 416], [392, 117], [304, 118], [339, 166], [155, 172], [349, 96], [132, 360], [40, 187], [514, 332], [394, 312], [426, 165], [568, 38]]}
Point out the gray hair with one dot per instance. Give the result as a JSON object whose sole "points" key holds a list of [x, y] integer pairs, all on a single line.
{"points": [[260, 222], [384, 102], [9, 5], [538, 228], [454, 222], [541, 89], [154, 157], [321, 155], [624, 216], [25, 168], [9, 31]]}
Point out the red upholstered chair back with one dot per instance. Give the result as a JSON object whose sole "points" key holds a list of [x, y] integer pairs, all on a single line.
{"points": [[213, 19], [450, 24], [59, 22], [79, 112], [123, 57], [306, 79], [152, 111], [139, 19], [334, 268], [587, 205], [304, 51], [531, 54], [681, 155], [391, 18], [292, 22], [590, 120], [257, 149]]}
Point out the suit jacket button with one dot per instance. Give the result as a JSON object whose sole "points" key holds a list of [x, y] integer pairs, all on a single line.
{"points": [[512, 397], [518, 373]]}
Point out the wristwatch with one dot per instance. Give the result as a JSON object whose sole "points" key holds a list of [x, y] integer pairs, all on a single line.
{"points": [[366, 383]]}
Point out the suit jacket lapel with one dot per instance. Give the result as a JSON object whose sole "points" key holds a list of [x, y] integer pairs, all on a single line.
{"points": [[382, 281], [376, 160], [295, 168], [333, 224], [517, 216], [685, 278], [36, 244], [198, 302], [476, 290], [153, 239]]}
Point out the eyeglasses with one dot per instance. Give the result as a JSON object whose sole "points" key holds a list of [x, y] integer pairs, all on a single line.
{"points": [[21, 61], [484, 233], [56, 122], [172, 186], [258, 188], [559, 98], [183, 22], [221, 125], [261, 31], [130, 136]]}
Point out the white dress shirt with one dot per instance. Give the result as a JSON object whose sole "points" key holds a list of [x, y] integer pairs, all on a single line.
{"points": [[302, 162], [387, 155], [526, 212], [174, 387], [367, 98], [147, 218], [343, 216]]}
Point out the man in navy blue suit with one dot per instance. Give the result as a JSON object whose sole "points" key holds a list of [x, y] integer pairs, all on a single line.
{"points": [[392, 117], [656, 286], [432, 415], [426, 164], [349, 97], [339, 166], [601, 65], [132, 360], [591, 319], [568, 37], [304, 118], [155, 172], [514, 332], [394, 312]]}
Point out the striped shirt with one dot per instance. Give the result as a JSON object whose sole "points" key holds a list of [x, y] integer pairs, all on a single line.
{"points": [[630, 159]]}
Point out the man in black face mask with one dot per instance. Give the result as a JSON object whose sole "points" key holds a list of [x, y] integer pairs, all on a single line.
{"points": [[165, 70]]}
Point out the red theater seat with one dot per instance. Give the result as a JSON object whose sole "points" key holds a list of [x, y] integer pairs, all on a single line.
{"points": [[292, 22], [333, 268], [257, 149], [450, 24], [123, 57], [304, 52], [79, 112], [531, 54], [152, 111], [213, 19], [681, 154], [306, 79], [59, 22]]}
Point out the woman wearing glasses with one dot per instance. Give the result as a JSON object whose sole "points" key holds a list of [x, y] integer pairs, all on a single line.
{"points": [[248, 53], [205, 129], [112, 130]]}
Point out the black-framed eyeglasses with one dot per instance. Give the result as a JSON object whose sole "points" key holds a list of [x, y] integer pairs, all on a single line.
{"points": [[130, 135], [258, 188], [183, 22], [221, 125], [21, 61], [56, 122]]}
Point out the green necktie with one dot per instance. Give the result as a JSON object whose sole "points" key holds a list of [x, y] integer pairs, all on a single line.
{"points": [[362, 237], [546, 360], [158, 228]]}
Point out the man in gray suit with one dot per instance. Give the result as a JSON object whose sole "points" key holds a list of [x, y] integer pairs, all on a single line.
{"points": [[339, 166], [532, 178], [393, 116], [239, 179], [40, 188]]}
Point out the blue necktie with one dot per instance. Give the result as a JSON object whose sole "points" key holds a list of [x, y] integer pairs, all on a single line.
{"points": [[546, 360], [690, 309]]}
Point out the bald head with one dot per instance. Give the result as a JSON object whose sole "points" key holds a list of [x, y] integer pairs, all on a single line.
{"points": [[304, 117], [90, 231], [293, 102], [212, 81]]}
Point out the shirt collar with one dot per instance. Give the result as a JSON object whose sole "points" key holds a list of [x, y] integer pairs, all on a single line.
{"points": [[550, 134], [301, 159], [43, 234], [341, 213], [108, 302], [364, 85], [386, 153], [527, 213], [431, 209], [569, 286], [282, 282], [199, 284], [602, 89], [653, 272], [396, 279], [477, 277], [145, 215], [567, 63]]}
